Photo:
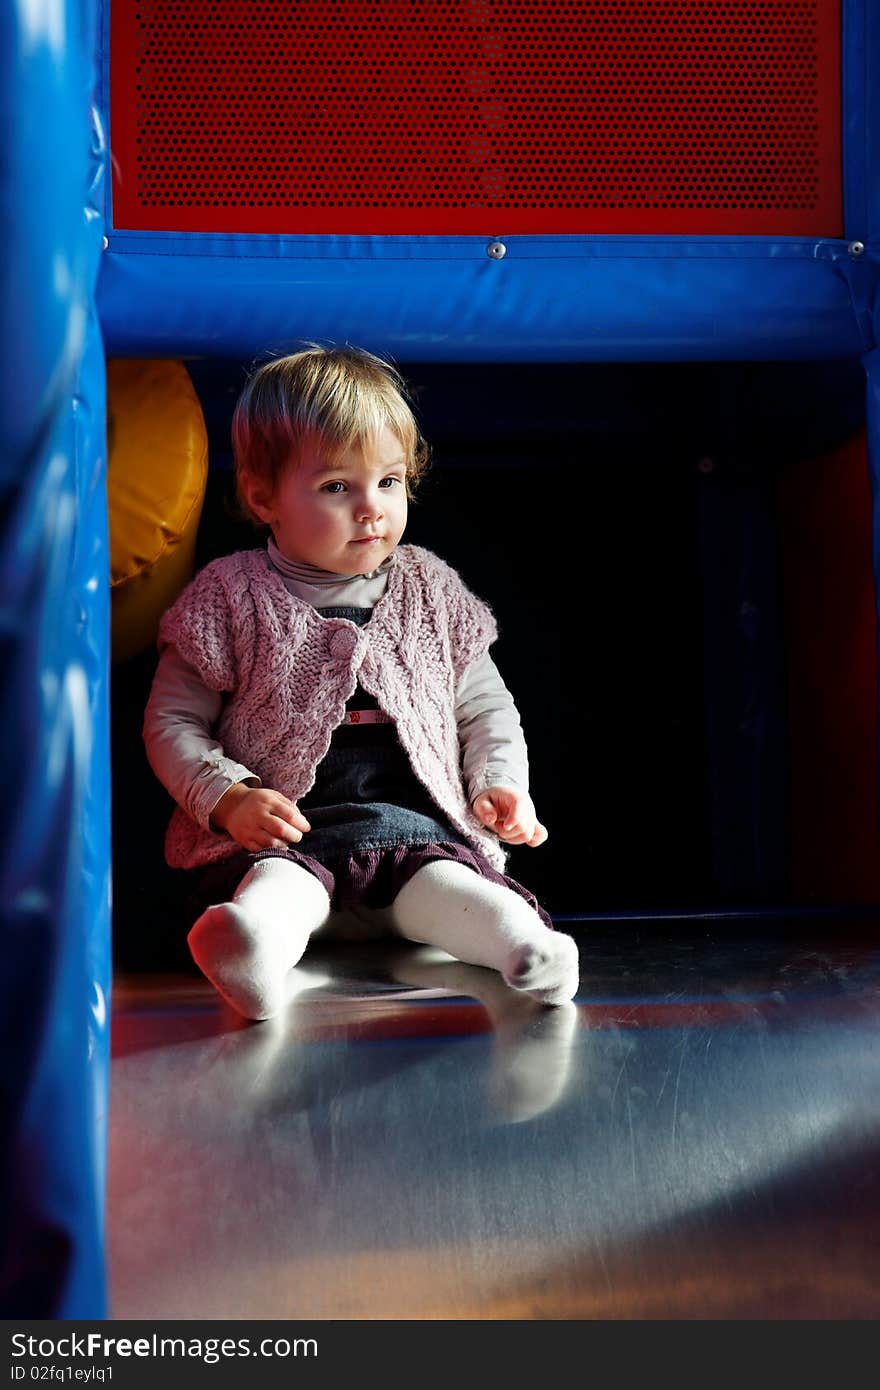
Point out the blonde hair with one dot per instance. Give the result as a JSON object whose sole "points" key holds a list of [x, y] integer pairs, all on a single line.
{"points": [[332, 398]]}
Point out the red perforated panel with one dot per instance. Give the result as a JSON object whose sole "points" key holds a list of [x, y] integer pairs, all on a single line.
{"points": [[702, 116]]}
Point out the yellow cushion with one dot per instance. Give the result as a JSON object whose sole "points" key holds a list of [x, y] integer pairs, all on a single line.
{"points": [[156, 475]]}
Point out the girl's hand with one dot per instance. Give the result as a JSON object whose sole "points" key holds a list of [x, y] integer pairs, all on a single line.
{"points": [[258, 818], [511, 814]]}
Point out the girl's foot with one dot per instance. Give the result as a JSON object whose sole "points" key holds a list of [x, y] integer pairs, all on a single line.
{"points": [[549, 972], [244, 961]]}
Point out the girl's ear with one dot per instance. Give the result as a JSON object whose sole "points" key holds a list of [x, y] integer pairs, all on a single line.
{"points": [[258, 496]]}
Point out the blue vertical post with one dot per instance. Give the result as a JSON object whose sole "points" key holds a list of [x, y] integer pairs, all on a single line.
{"points": [[54, 670], [860, 92]]}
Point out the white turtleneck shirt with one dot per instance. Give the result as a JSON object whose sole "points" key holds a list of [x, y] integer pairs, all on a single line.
{"points": [[182, 711]]}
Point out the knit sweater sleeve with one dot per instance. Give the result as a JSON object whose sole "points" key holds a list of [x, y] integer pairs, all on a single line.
{"points": [[179, 739], [200, 626], [493, 747]]}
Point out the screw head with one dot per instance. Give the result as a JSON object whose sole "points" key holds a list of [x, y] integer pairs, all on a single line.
{"points": [[856, 248], [497, 250]]}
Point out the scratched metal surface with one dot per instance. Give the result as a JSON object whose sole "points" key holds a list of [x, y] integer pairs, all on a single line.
{"points": [[698, 1138]]}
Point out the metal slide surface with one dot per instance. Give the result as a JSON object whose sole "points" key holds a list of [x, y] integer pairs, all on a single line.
{"points": [[697, 1138]]}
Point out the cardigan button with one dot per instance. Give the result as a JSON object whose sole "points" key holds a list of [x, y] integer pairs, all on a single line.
{"points": [[342, 643]]}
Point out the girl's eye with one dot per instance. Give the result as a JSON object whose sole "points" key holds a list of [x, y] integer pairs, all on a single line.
{"points": [[338, 486]]}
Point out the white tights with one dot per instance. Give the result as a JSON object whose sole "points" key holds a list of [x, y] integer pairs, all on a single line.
{"points": [[247, 947]]}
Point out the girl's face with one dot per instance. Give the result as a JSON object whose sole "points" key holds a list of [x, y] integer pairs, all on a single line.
{"points": [[345, 517]]}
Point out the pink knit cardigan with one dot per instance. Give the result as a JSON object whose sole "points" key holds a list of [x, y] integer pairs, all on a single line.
{"points": [[288, 673]]}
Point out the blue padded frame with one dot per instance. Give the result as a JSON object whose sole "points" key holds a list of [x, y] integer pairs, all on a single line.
{"points": [[861, 120], [54, 673], [594, 299]]}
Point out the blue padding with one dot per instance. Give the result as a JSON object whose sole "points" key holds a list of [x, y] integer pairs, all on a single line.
{"points": [[444, 299], [54, 666], [45, 78], [860, 95]]}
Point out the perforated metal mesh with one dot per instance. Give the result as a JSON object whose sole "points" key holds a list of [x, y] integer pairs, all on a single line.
{"points": [[394, 115]]}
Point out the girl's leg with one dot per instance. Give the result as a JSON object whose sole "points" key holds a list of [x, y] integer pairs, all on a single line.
{"points": [[449, 905], [246, 947]]}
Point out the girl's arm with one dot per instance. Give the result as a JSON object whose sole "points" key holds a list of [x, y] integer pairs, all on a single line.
{"points": [[181, 748], [492, 742]]}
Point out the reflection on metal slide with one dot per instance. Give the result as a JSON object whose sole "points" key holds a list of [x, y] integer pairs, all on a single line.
{"points": [[697, 1137]]}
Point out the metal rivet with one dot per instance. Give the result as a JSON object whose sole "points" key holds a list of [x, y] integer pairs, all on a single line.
{"points": [[497, 250], [856, 248]]}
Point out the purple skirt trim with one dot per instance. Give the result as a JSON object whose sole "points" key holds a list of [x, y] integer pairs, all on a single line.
{"points": [[367, 878]]}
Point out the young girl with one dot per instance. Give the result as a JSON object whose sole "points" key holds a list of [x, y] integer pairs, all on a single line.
{"points": [[327, 716]]}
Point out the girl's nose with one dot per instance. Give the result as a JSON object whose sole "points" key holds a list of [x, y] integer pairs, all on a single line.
{"points": [[369, 507]]}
